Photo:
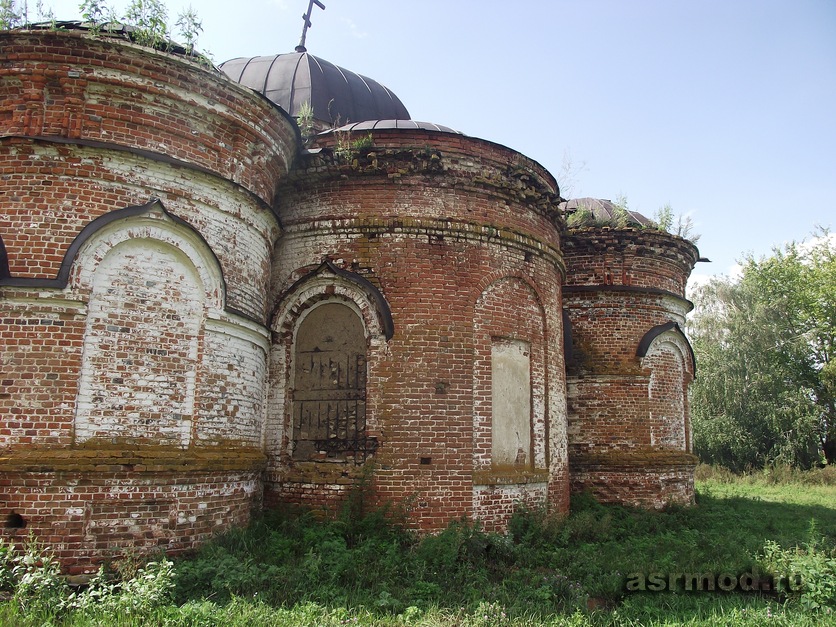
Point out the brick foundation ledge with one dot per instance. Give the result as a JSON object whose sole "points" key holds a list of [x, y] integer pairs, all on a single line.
{"points": [[509, 476], [649, 478], [109, 457]]}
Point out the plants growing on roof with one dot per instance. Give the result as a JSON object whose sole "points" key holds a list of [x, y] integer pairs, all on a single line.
{"points": [[305, 120], [149, 20], [190, 27]]}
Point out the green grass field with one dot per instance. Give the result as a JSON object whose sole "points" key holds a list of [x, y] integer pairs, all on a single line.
{"points": [[291, 569]]}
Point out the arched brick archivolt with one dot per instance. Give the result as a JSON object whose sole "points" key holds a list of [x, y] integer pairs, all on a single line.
{"points": [[149, 281], [154, 224], [330, 334], [667, 357]]}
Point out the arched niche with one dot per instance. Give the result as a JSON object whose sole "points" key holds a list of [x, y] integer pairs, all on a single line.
{"points": [[353, 314], [510, 382], [149, 281], [329, 385], [145, 313], [667, 357]]}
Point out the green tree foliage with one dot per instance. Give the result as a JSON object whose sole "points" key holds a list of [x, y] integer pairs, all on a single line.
{"points": [[766, 387], [11, 15]]}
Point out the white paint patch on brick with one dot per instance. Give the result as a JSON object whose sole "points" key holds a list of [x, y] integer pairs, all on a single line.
{"points": [[666, 391], [511, 400], [140, 346], [233, 380]]}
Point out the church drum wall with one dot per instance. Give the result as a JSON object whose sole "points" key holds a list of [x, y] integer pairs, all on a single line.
{"points": [[434, 221], [628, 415], [92, 129]]}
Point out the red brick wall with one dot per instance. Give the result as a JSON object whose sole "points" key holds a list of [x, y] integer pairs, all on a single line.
{"points": [[640, 482], [133, 387], [626, 410], [41, 361], [94, 504], [433, 220], [629, 257]]}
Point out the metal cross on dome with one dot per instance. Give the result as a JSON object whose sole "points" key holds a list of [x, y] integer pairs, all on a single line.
{"points": [[307, 18]]}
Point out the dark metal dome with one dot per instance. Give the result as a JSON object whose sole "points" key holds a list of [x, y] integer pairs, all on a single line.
{"points": [[385, 125], [337, 95]]}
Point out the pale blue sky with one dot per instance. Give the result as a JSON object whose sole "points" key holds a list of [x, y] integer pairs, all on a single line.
{"points": [[726, 109]]}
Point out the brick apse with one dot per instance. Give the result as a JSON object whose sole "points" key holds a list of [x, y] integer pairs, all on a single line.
{"points": [[204, 313]]}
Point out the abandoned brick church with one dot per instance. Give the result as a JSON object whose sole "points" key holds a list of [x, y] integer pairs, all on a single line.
{"points": [[204, 312]]}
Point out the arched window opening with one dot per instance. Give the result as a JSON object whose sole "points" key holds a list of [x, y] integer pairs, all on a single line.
{"points": [[329, 391]]}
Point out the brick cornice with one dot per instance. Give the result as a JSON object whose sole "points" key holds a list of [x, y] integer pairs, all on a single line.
{"points": [[636, 289], [509, 476]]}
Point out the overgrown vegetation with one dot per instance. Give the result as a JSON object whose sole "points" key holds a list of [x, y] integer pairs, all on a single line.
{"points": [[150, 19], [365, 567], [145, 22], [678, 224], [305, 121], [765, 345], [346, 148], [663, 220], [37, 593]]}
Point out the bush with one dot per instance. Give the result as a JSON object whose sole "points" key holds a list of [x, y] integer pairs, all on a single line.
{"points": [[147, 591], [806, 573], [33, 577]]}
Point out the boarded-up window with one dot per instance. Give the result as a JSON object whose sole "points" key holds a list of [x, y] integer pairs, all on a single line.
{"points": [[329, 395], [511, 402]]}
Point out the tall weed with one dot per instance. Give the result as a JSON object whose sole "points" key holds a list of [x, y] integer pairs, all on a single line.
{"points": [[33, 576], [807, 572]]}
